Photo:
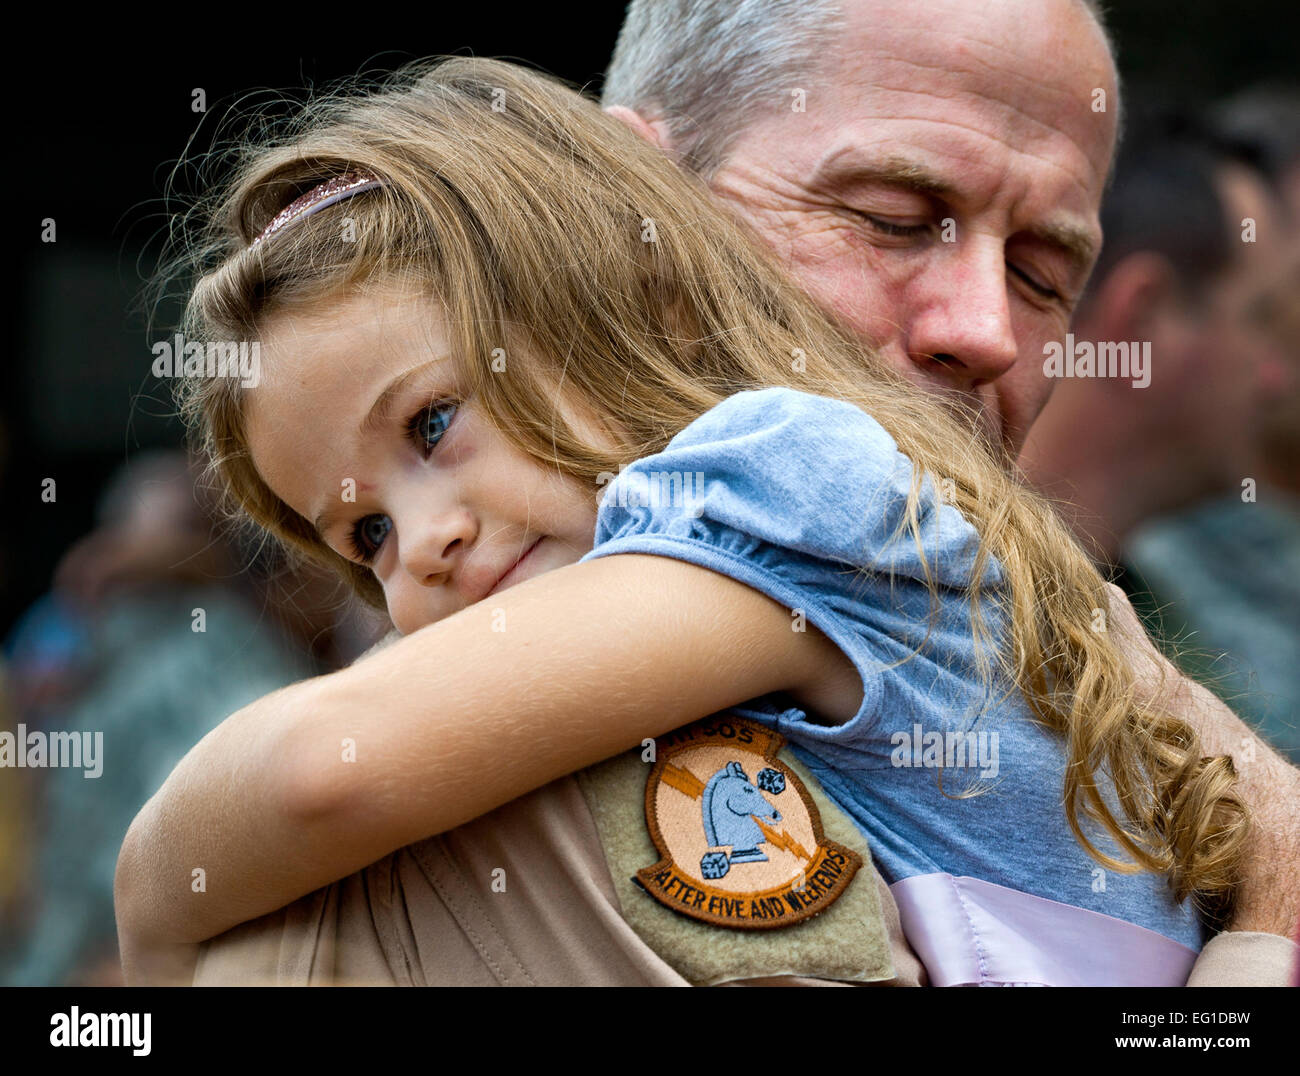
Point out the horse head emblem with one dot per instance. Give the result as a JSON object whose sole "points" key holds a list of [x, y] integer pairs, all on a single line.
{"points": [[721, 779], [730, 805]]}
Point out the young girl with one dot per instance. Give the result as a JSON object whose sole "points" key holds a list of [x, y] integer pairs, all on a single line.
{"points": [[531, 391]]}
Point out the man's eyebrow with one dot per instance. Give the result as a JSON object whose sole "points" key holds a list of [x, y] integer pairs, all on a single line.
{"points": [[1074, 239], [890, 171], [375, 418]]}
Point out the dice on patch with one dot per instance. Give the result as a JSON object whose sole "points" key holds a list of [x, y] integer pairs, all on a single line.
{"points": [[714, 864], [770, 780]]}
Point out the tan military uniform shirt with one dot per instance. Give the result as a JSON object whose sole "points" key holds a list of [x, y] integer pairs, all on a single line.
{"points": [[539, 893]]}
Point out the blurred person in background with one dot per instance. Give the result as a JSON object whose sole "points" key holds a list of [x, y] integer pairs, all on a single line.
{"points": [[1258, 133], [1165, 480], [151, 635]]}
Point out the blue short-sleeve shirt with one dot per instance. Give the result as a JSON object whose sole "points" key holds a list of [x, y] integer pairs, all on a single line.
{"points": [[804, 499]]}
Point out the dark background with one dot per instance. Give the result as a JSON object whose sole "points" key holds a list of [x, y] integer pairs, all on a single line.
{"points": [[103, 113]]}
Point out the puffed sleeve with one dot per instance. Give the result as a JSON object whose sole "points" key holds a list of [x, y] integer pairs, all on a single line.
{"points": [[804, 499], [794, 472]]}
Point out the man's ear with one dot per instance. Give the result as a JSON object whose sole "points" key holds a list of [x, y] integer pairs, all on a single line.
{"points": [[653, 131]]}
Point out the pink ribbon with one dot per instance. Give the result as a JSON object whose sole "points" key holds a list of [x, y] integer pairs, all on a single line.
{"points": [[968, 932]]}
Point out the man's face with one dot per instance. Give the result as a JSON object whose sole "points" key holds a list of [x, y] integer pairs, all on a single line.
{"points": [[943, 120]]}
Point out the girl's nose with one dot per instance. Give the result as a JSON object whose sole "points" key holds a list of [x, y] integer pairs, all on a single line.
{"points": [[432, 546]]}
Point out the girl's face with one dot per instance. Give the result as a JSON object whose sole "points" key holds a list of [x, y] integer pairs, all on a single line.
{"points": [[360, 425]]}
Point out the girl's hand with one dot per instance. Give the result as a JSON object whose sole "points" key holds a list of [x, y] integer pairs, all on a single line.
{"points": [[324, 777]]}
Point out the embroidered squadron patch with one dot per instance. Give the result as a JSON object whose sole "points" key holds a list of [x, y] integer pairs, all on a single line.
{"points": [[741, 838]]}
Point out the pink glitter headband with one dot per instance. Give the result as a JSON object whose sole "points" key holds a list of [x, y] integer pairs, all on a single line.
{"points": [[316, 199]]}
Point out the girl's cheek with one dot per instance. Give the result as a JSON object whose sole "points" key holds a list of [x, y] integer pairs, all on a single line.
{"points": [[386, 569], [382, 564], [388, 598], [460, 442], [401, 612]]}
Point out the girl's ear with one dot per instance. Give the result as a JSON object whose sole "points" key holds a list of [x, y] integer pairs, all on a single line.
{"points": [[653, 131]]}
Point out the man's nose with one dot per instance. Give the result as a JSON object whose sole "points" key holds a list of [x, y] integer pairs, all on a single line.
{"points": [[960, 331], [433, 543]]}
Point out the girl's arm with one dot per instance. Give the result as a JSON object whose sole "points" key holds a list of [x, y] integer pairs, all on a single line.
{"points": [[449, 723]]}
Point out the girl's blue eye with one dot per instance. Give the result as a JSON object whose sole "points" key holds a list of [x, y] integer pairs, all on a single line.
{"points": [[429, 424], [426, 427], [369, 534]]}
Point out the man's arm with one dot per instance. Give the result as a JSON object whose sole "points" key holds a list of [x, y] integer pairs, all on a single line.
{"points": [[1269, 898], [324, 777]]}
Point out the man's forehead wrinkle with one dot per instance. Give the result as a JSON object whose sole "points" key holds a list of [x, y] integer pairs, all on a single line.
{"points": [[963, 71], [891, 34], [863, 147], [1012, 126], [1019, 94], [1039, 75]]}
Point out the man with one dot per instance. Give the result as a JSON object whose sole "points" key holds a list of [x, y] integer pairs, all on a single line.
{"points": [[1258, 133], [939, 191], [932, 173], [1116, 451]]}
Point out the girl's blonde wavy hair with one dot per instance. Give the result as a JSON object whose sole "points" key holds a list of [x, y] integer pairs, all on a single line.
{"points": [[545, 225]]}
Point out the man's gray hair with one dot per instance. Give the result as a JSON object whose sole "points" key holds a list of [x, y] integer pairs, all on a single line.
{"points": [[710, 68]]}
